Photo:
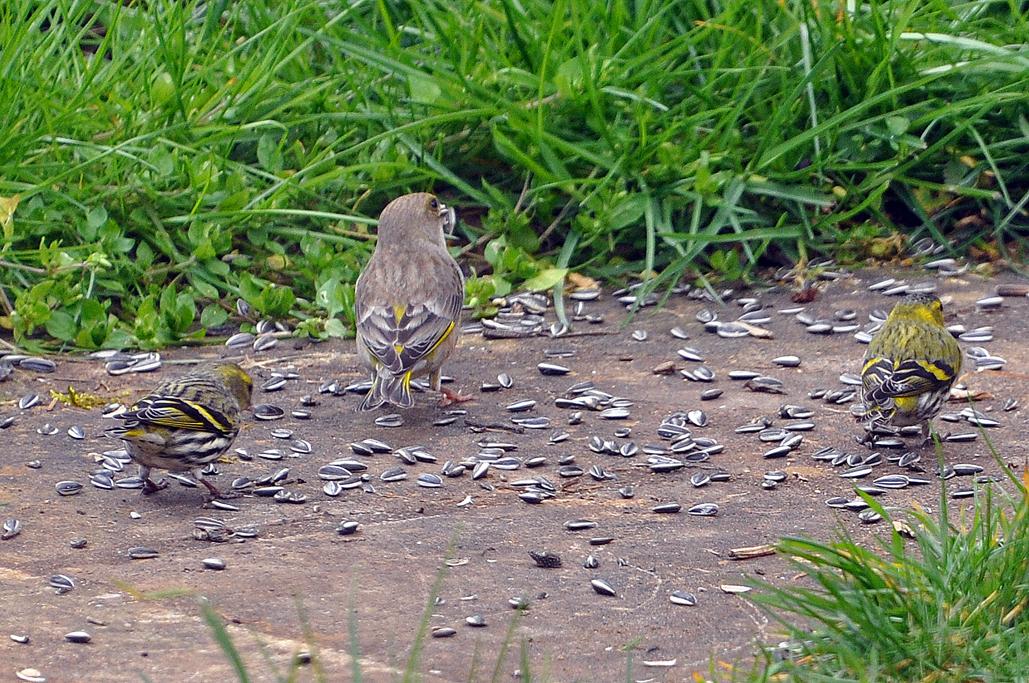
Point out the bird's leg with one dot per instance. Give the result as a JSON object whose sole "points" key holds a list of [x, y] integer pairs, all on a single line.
{"points": [[148, 484], [927, 437], [215, 491], [868, 438], [447, 396]]}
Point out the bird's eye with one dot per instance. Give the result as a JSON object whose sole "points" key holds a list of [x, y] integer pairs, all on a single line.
{"points": [[433, 204]]}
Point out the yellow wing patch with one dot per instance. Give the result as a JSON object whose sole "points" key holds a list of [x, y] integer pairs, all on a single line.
{"points": [[871, 362], [906, 403], [183, 420], [180, 413], [934, 370], [450, 328]]}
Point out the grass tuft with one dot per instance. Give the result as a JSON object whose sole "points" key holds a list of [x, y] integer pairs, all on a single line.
{"points": [[952, 607], [160, 160]]}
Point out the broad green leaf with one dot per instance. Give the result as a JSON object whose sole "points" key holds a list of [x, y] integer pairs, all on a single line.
{"points": [[7, 207], [61, 326], [163, 160], [898, 125], [493, 250], [545, 279], [629, 211], [423, 88], [203, 288], [331, 297], [268, 153], [334, 327], [213, 315], [185, 311], [276, 301], [96, 217]]}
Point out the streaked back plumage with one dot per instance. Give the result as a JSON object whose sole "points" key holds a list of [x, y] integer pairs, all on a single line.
{"points": [[187, 421], [910, 364]]}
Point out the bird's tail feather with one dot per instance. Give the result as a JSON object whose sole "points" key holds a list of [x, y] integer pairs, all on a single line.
{"points": [[388, 388], [875, 412], [125, 431]]}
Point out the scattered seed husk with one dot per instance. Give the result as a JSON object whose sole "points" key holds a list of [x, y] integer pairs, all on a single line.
{"points": [[62, 583], [735, 330], [11, 528], [443, 632], [769, 385], [869, 516], [682, 598], [476, 621], [545, 559], [142, 553], [552, 369], [903, 528], [267, 411], [750, 552], [391, 420], [703, 510], [68, 488], [733, 588]]}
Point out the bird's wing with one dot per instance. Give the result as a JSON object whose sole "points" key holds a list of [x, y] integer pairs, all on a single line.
{"points": [[178, 413], [886, 378], [400, 336], [875, 371]]}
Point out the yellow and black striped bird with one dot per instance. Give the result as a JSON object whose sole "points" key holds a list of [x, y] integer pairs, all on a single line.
{"points": [[910, 365], [186, 423], [408, 301]]}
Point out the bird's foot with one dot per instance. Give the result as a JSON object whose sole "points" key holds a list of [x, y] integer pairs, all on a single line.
{"points": [[451, 397], [218, 494], [150, 487]]}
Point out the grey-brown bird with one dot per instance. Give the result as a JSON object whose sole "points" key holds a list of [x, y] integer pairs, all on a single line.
{"points": [[408, 301]]}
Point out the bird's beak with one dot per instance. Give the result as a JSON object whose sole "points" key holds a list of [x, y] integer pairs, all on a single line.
{"points": [[449, 217]]}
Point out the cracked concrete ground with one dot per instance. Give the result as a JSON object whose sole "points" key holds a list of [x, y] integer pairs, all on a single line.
{"points": [[299, 586]]}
